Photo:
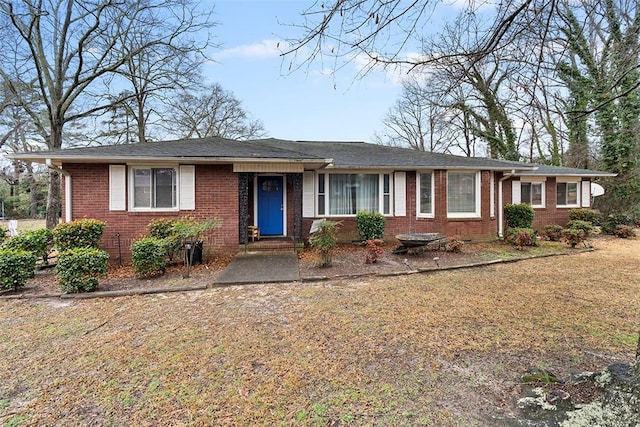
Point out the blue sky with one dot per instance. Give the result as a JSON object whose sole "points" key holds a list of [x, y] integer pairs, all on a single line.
{"points": [[309, 104]]}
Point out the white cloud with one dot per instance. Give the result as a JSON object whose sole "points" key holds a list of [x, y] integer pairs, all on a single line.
{"points": [[268, 48], [396, 72]]}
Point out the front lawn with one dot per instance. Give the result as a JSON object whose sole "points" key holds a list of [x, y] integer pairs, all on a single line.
{"points": [[447, 348]]}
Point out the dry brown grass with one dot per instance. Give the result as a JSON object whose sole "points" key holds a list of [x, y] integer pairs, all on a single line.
{"points": [[439, 349]]}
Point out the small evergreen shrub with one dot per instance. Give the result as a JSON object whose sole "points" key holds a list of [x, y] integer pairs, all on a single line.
{"points": [[370, 225], [38, 241], [553, 232], [454, 244], [165, 229], [573, 236], [324, 241], [148, 256], [16, 267], [585, 226], [610, 223], [521, 237], [81, 233], [373, 251], [519, 215], [623, 231], [584, 214], [79, 269]]}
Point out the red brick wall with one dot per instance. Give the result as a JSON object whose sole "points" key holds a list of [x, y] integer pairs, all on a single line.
{"points": [[550, 214], [477, 229], [216, 197]]}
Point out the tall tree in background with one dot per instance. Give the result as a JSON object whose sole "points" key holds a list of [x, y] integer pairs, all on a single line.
{"points": [[212, 112], [63, 49]]}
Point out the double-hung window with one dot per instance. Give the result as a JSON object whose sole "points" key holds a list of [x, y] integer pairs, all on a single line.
{"points": [[567, 194], [342, 194], [424, 197], [154, 188], [463, 194], [532, 193]]}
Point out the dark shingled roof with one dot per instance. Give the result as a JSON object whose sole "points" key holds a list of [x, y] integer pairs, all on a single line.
{"points": [[214, 147], [366, 155], [344, 155], [545, 170]]}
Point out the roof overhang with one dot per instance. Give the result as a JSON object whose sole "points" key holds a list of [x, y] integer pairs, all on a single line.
{"points": [[242, 164]]}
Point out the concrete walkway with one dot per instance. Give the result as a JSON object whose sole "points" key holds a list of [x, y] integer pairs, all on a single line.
{"points": [[261, 267]]}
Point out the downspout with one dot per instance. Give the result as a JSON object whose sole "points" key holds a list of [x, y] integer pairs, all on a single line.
{"points": [[67, 189], [501, 202]]}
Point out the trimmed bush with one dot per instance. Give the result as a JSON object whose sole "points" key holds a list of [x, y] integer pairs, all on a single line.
{"points": [[585, 214], [521, 237], [623, 231], [79, 269], [16, 267], [585, 226], [148, 256], [370, 225], [610, 223], [39, 242], [553, 232], [519, 215], [81, 233], [573, 236], [325, 240]]}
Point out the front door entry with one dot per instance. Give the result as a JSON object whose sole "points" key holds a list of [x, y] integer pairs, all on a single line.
{"points": [[270, 205]]}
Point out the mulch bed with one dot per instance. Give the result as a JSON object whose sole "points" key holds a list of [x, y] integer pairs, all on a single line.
{"points": [[348, 260]]}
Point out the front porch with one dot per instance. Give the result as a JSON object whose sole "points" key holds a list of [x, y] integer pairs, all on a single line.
{"points": [[272, 202]]}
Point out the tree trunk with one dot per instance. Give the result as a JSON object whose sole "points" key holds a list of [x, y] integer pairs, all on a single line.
{"points": [[53, 199]]}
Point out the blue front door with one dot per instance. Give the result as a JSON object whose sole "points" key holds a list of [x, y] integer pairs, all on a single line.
{"points": [[270, 205]]}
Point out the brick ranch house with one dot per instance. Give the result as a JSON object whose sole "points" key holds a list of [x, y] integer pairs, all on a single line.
{"points": [[283, 186]]}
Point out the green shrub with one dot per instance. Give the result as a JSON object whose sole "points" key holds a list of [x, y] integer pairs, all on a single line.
{"points": [[519, 215], [38, 241], [584, 214], [3, 234], [610, 223], [585, 226], [79, 269], [553, 232], [81, 233], [623, 231], [324, 240], [521, 237], [370, 225], [453, 244], [149, 255], [16, 267], [573, 236]]}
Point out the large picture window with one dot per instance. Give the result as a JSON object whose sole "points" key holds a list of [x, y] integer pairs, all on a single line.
{"points": [[425, 194], [567, 193], [349, 193], [154, 188], [463, 194]]}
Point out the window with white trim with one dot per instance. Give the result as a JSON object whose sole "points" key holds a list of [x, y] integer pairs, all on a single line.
{"points": [[463, 194], [424, 197], [154, 188], [532, 193], [345, 194], [567, 194]]}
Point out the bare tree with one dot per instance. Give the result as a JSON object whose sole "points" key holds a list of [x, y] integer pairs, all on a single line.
{"points": [[64, 49], [214, 112], [415, 122]]}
